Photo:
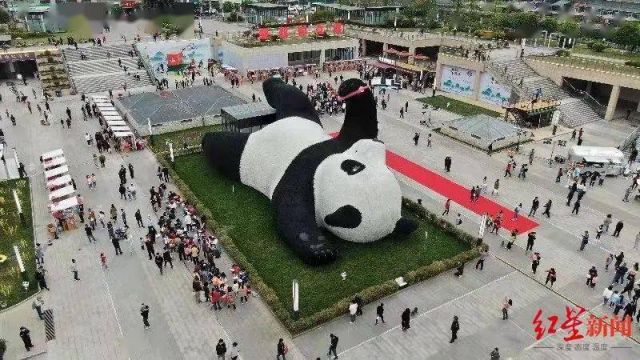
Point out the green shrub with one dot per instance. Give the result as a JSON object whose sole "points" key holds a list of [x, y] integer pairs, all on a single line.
{"points": [[563, 53], [634, 63], [597, 46]]}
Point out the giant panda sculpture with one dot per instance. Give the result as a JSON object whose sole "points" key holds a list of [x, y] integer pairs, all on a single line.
{"points": [[315, 181]]}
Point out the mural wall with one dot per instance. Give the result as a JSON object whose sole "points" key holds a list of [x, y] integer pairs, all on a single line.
{"points": [[458, 80], [171, 57], [493, 92]]}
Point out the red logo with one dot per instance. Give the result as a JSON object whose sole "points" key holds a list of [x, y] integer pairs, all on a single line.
{"points": [[596, 326]]}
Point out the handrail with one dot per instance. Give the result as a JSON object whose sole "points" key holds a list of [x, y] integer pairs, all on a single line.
{"points": [[593, 103], [629, 140]]}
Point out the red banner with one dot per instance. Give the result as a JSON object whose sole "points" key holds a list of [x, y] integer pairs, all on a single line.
{"points": [[320, 29], [283, 32], [302, 31], [338, 28], [263, 34]]}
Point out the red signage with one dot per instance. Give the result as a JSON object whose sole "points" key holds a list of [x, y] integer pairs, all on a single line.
{"points": [[338, 28], [128, 4], [263, 34], [302, 31], [174, 58], [320, 30], [283, 32]]}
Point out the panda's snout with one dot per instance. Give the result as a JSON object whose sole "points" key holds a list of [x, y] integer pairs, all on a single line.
{"points": [[345, 217]]}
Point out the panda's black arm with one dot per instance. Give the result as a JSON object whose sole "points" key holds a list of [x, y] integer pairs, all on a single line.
{"points": [[295, 215], [288, 100]]}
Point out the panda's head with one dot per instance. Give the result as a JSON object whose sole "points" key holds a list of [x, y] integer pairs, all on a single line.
{"points": [[357, 197]]}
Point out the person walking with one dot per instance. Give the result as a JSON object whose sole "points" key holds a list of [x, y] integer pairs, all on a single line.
{"points": [[25, 335], [130, 170], [447, 207], [144, 312], [516, 211], [405, 319], [447, 163], [531, 238], [455, 327], [608, 261], [547, 209], [584, 241], [123, 215], [166, 256], [40, 278], [636, 242], [496, 187], [281, 350], [37, 305], [89, 231], [138, 217], [380, 313], [627, 192], [506, 304], [353, 309], [234, 353], [534, 206], [607, 222], [159, 261], [551, 277], [221, 349], [576, 208], [74, 270], [483, 255], [333, 346], [591, 277], [495, 354], [619, 226], [535, 262], [416, 137], [116, 245]]}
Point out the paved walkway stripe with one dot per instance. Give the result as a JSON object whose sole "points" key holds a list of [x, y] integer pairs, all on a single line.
{"points": [[49, 325]]}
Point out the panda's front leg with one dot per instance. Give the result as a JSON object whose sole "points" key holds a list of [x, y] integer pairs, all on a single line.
{"points": [[297, 225]]}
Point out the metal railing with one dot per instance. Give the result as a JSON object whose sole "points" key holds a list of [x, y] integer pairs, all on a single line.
{"points": [[594, 104], [593, 64], [630, 141]]}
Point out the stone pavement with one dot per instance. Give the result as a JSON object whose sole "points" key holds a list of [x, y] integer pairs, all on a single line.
{"points": [[98, 317]]}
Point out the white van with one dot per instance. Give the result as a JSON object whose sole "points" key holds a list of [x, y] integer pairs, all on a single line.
{"points": [[605, 160]]}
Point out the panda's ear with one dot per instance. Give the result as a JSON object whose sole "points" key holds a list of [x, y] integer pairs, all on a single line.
{"points": [[405, 226]]}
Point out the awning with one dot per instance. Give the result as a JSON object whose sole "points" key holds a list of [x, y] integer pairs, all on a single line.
{"points": [[120, 128], [123, 134], [51, 154], [56, 172], [52, 163], [64, 204], [61, 193]]}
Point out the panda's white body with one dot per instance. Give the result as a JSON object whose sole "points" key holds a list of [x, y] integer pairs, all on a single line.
{"points": [[268, 152], [374, 191]]}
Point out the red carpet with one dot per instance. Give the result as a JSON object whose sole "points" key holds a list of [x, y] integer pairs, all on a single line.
{"points": [[458, 194]]}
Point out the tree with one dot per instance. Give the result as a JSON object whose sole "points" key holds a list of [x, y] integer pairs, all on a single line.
{"points": [[628, 35], [570, 28], [550, 24], [524, 24], [227, 7], [5, 18], [321, 15]]}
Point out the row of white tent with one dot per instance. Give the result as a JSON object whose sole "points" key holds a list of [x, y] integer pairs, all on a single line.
{"points": [[112, 117], [59, 184]]}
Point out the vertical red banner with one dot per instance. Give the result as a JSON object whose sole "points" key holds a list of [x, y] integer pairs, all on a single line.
{"points": [[320, 30], [263, 34], [302, 31], [338, 28], [283, 32]]}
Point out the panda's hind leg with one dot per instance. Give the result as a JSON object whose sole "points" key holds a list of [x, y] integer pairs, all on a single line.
{"points": [[223, 151]]}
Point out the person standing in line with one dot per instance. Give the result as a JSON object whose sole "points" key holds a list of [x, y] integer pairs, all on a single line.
{"points": [[534, 206], [607, 222], [221, 349], [619, 259], [405, 319], [447, 163], [333, 346], [74, 270], [234, 354], [606, 294], [447, 207], [608, 262], [483, 254], [619, 226], [159, 261], [380, 313], [25, 335], [281, 350], [455, 327], [144, 312], [39, 276], [535, 262], [123, 215], [547, 209], [584, 241], [116, 245], [166, 256], [496, 187]]}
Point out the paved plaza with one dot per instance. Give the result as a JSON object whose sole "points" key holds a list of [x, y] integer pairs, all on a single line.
{"points": [[98, 316]]}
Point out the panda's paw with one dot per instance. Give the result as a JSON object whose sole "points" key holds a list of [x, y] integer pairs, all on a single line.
{"points": [[316, 250]]}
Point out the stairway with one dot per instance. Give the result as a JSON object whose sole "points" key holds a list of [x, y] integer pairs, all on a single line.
{"points": [[525, 81], [100, 71]]}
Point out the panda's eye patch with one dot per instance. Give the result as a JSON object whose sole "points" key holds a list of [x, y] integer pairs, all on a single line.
{"points": [[352, 167]]}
